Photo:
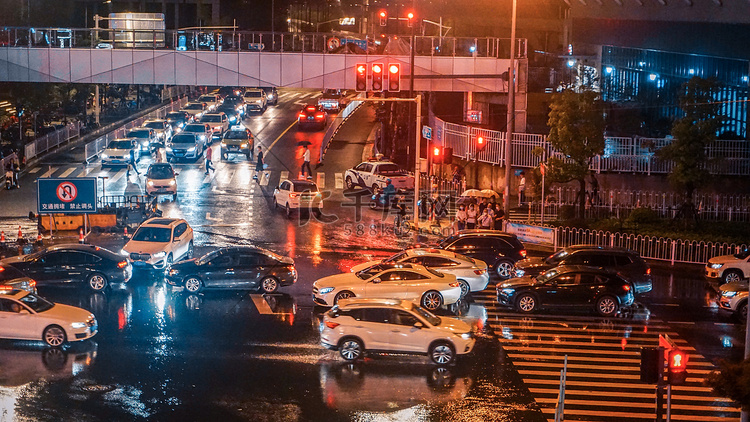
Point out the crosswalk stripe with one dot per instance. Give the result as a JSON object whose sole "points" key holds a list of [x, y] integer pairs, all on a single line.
{"points": [[117, 176], [67, 172], [612, 415], [284, 175], [529, 357], [318, 94], [34, 170], [49, 172], [649, 395], [647, 406], [305, 95], [339, 181], [265, 178], [634, 368], [321, 180]]}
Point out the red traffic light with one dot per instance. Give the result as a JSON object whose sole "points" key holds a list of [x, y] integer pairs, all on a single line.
{"points": [[677, 360], [436, 151], [481, 143], [377, 77], [410, 18], [394, 77], [361, 77], [437, 155], [383, 17]]}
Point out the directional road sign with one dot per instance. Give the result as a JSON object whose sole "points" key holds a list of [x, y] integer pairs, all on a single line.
{"points": [[70, 196]]}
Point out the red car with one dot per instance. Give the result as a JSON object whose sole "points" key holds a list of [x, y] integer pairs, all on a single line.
{"points": [[312, 116]]}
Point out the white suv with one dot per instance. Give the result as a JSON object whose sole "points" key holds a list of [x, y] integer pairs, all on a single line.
{"points": [[255, 100], [729, 268], [393, 326], [158, 242]]}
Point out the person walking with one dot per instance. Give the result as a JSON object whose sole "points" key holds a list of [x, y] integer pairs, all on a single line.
{"points": [[522, 189], [259, 164], [131, 164], [471, 217], [209, 162], [306, 162]]}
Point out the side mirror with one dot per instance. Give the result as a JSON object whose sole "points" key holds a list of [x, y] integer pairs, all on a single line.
{"points": [[376, 280], [418, 325]]}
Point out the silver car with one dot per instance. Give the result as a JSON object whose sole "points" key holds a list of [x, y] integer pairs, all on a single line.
{"points": [[471, 273], [733, 299]]}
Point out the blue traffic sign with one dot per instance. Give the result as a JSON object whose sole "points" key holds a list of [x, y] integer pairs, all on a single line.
{"points": [[69, 196], [426, 132]]}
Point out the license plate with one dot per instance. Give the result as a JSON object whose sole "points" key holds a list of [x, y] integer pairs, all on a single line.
{"points": [[233, 147], [310, 117]]}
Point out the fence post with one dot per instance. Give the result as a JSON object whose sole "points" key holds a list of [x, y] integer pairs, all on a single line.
{"points": [[674, 247]]}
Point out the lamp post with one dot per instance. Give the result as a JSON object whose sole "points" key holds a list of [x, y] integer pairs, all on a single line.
{"points": [[511, 109]]}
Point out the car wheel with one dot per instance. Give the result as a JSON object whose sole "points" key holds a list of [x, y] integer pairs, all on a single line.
{"points": [[526, 303], [174, 197], [465, 289], [732, 276], [351, 349], [504, 269], [442, 353], [349, 183], [275, 204], [342, 295], [190, 250], [54, 336], [193, 284], [607, 306], [269, 285], [97, 282], [288, 211], [170, 259], [742, 312], [432, 300]]}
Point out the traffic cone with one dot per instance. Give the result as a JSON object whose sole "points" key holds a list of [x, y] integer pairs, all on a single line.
{"points": [[2, 236], [125, 233], [20, 233], [80, 236], [39, 238]]}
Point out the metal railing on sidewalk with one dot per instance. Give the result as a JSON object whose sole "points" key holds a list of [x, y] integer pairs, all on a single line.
{"points": [[52, 140]]}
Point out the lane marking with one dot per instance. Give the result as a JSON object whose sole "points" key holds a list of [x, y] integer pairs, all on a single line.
{"points": [[117, 176], [339, 183], [49, 172], [277, 139], [265, 178], [284, 175], [34, 170], [321, 180], [67, 172], [209, 218]]}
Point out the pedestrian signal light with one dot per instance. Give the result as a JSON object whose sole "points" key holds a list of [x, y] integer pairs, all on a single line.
{"points": [[377, 77], [677, 366], [361, 74], [383, 17], [394, 77], [410, 19], [481, 143]]}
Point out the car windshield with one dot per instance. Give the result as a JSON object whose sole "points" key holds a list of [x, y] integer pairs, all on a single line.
{"points": [[155, 125], [153, 234], [427, 315], [211, 118], [389, 169], [253, 94], [183, 139], [435, 273], [743, 255], [305, 187], [139, 134], [445, 242], [194, 106], [207, 99], [547, 275], [158, 171], [555, 258], [236, 134], [194, 128], [369, 272], [120, 145], [207, 257], [175, 116], [395, 258], [9, 273], [37, 303]]}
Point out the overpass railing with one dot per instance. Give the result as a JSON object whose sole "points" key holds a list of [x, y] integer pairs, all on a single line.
{"points": [[232, 40]]}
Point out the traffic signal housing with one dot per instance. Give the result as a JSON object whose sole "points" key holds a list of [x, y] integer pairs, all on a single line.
{"points": [[677, 366], [410, 19], [652, 364], [481, 143], [437, 155], [377, 77], [383, 15], [361, 75], [394, 77]]}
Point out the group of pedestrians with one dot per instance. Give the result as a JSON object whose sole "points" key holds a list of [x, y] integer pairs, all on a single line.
{"points": [[484, 215], [11, 174]]}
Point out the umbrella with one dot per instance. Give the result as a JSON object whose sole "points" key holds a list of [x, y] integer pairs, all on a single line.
{"points": [[489, 193], [303, 143], [476, 193]]}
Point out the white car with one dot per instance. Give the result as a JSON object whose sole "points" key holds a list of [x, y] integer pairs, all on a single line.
{"points": [[118, 151], [195, 109], [733, 299], [413, 282], [211, 101], [202, 130], [219, 123], [162, 129], [185, 145], [297, 195], [729, 268], [357, 326], [161, 180], [26, 316], [374, 175], [471, 273], [255, 100], [145, 137], [158, 242]]}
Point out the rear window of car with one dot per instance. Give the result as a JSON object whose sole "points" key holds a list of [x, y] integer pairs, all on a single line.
{"points": [[194, 106], [253, 94], [155, 125], [175, 115], [236, 134], [305, 187], [388, 169], [195, 128], [622, 260], [211, 118]]}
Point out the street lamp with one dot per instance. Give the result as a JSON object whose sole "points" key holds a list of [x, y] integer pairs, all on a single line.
{"points": [[511, 109]]}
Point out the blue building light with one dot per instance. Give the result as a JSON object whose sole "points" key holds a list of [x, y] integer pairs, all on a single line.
{"points": [[744, 78], [609, 69], [691, 72], [652, 77], [473, 48], [571, 63]]}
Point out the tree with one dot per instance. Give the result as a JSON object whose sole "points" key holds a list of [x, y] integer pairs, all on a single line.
{"points": [[733, 381], [693, 134], [576, 123]]}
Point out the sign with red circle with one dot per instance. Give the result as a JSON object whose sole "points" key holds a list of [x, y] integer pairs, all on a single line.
{"points": [[67, 191]]}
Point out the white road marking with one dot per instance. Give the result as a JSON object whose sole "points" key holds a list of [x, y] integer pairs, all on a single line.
{"points": [[49, 172], [117, 176], [321, 180], [209, 218], [34, 170], [264, 179], [67, 172], [284, 175], [339, 184], [216, 190]]}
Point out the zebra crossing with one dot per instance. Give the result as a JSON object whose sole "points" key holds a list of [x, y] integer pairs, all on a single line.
{"points": [[603, 369]]}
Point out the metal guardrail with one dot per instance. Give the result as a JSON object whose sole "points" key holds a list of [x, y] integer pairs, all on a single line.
{"points": [[621, 154], [93, 148], [233, 40], [342, 117], [52, 140]]}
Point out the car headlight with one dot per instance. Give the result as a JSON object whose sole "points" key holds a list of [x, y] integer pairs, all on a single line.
{"points": [[161, 254], [508, 291], [172, 182], [105, 156], [243, 145], [729, 294], [716, 266], [520, 272], [465, 336], [325, 290], [223, 143], [173, 271], [181, 125], [124, 252], [78, 325], [169, 149], [191, 149], [203, 137], [233, 119], [151, 183]]}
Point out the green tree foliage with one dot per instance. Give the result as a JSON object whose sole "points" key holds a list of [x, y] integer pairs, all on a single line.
{"points": [[733, 381], [692, 134], [576, 125]]}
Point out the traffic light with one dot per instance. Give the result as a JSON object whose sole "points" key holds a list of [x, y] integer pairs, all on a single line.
{"points": [[481, 143], [377, 77], [437, 155], [361, 69], [677, 366], [383, 18], [394, 77], [447, 155], [410, 19]]}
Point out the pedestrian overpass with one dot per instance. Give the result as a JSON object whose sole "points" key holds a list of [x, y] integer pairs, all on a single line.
{"points": [[293, 60]]}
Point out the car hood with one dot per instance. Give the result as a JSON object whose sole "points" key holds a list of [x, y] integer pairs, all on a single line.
{"points": [[740, 286], [453, 325], [159, 180], [67, 313], [338, 280], [13, 260], [723, 259], [185, 265], [517, 282], [144, 247], [364, 265], [116, 151]]}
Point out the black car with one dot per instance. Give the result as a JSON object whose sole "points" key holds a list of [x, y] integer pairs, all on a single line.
{"points": [[312, 116], [233, 114], [178, 119], [498, 249], [568, 286], [236, 101], [272, 95], [241, 267], [73, 263], [626, 262], [11, 278]]}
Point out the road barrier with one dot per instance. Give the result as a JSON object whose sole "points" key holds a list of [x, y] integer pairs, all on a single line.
{"points": [[52, 140], [336, 125]]}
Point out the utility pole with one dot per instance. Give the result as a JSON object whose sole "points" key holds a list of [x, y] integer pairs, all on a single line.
{"points": [[511, 110]]}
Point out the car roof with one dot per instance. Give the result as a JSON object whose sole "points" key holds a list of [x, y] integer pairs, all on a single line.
{"points": [[302, 182], [162, 221], [485, 232], [584, 268], [214, 114], [74, 246], [13, 293], [154, 120], [380, 303], [165, 165], [575, 248], [378, 162], [433, 252]]}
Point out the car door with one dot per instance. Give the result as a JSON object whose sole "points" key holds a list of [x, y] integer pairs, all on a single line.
{"points": [[561, 291], [282, 196], [404, 336], [50, 269], [251, 269], [73, 266], [9, 318], [179, 241], [414, 284], [220, 270], [386, 285], [469, 246], [365, 175], [374, 328]]}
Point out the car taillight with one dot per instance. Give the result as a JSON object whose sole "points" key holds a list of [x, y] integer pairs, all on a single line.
{"points": [[331, 324], [626, 287], [479, 272], [32, 283], [648, 271], [122, 264], [301, 115], [455, 284], [320, 116], [293, 195], [522, 252], [311, 108]]}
